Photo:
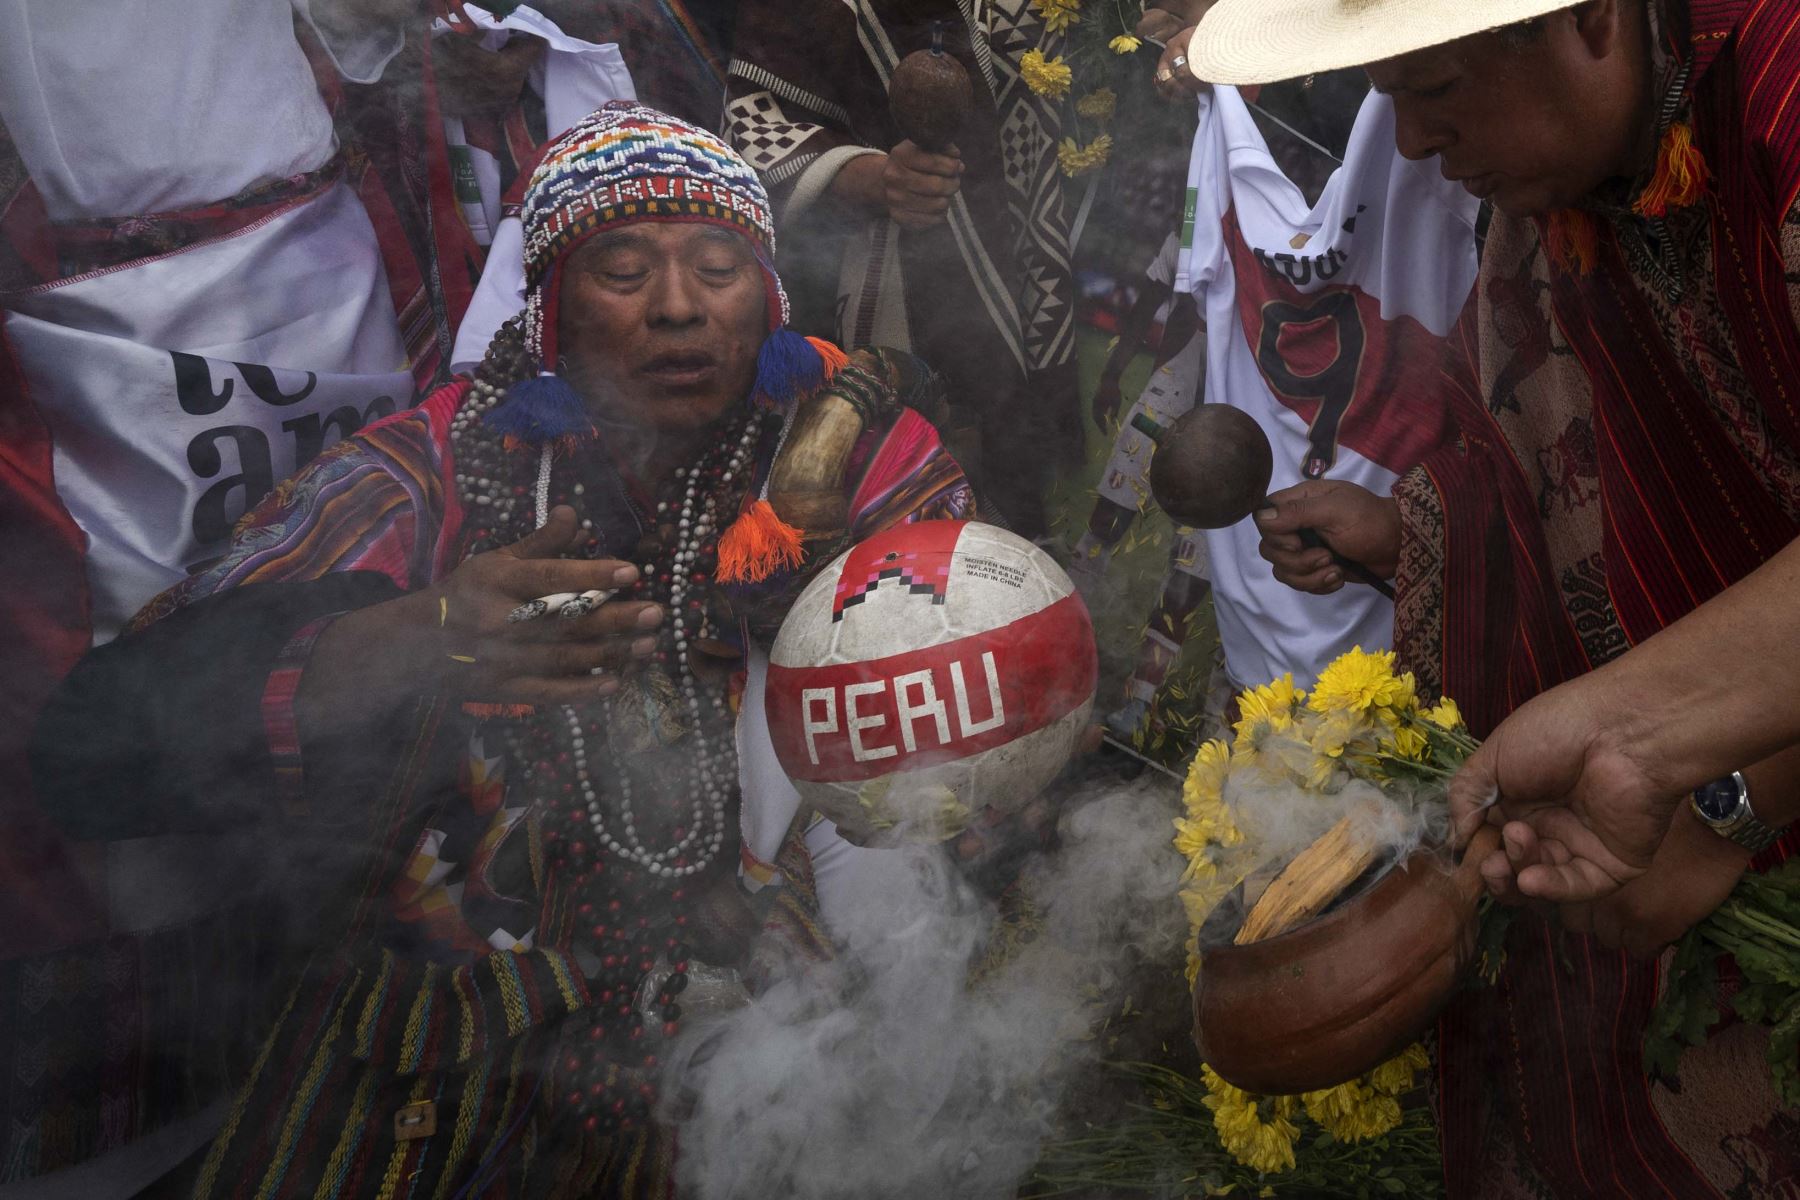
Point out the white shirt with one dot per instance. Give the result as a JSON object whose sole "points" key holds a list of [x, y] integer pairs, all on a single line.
{"points": [[128, 107], [1381, 267], [574, 78]]}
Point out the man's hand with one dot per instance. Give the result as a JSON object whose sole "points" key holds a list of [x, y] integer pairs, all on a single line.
{"points": [[1581, 815], [454, 637], [1693, 872], [1107, 402], [1169, 17], [475, 82], [1173, 79], [917, 184], [1353, 521], [912, 186], [550, 660], [1160, 23]]}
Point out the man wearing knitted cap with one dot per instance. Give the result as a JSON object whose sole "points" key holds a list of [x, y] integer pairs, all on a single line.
{"points": [[1629, 450], [476, 672]]}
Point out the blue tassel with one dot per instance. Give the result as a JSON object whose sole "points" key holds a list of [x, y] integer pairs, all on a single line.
{"points": [[543, 408], [787, 366]]}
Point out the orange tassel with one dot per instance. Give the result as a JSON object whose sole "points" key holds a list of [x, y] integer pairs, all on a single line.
{"points": [[1572, 241], [758, 544], [834, 359], [1680, 174]]}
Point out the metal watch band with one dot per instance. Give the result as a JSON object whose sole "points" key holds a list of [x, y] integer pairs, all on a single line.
{"points": [[1743, 827], [1750, 832]]}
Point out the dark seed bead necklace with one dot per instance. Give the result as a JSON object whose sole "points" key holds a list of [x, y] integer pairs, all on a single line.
{"points": [[635, 898]]}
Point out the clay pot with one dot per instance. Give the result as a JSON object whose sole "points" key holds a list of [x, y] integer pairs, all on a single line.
{"points": [[1211, 467], [1340, 995]]}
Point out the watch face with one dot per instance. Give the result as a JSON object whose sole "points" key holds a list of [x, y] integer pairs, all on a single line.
{"points": [[1718, 800]]}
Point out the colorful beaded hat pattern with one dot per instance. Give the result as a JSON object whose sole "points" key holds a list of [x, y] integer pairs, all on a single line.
{"points": [[626, 163]]}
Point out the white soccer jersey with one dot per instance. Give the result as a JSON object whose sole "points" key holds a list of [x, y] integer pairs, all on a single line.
{"points": [[1326, 324]]}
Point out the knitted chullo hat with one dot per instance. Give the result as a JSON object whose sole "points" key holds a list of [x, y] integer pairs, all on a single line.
{"points": [[622, 164]]}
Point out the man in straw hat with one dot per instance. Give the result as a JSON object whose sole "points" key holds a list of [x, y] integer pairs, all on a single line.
{"points": [[1629, 449]]}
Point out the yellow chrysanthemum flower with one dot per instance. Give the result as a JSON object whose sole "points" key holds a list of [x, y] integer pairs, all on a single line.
{"points": [[1204, 787], [1342, 730], [1402, 701], [1360, 682], [1281, 693], [1058, 15], [1098, 105], [1198, 901], [1207, 881], [1193, 836], [1198, 835], [1079, 160], [1202, 890], [1261, 1142], [1047, 77], [1124, 44], [1444, 714], [1266, 710], [1408, 741], [1353, 1112], [1395, 1077], [1326, 774]]}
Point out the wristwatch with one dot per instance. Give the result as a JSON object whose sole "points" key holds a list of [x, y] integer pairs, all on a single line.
{"points": [[1724, 805]]}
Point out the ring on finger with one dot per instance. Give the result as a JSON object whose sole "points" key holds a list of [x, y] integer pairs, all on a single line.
{"points": [[1178, 62], [1164, 75]]}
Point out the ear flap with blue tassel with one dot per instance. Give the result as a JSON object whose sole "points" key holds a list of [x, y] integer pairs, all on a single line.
{"points": [[787, 367], [542, 409]]}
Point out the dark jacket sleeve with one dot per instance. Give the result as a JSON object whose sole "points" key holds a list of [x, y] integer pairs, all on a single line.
{"points": [[161, 731]]}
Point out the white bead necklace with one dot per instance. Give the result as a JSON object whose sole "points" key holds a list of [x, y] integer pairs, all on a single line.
{"points": [[713, 770]]}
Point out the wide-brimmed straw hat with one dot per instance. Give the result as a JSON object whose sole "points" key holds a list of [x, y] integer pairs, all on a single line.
{"points": [[1262, 41]]}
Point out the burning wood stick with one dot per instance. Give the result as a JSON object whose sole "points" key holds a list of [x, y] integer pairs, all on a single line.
{"points": [[1308, 885]]}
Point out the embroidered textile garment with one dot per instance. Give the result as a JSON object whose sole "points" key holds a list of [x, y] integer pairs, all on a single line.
{"points": [[1628, 449], [407, 1002], [987, 297]]}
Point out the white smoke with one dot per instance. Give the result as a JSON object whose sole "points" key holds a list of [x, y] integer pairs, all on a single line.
{"points": [[885, 1073], [1280, 819]]}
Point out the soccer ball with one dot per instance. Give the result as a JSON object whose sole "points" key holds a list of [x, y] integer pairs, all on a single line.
{"points": [[932, 671]]}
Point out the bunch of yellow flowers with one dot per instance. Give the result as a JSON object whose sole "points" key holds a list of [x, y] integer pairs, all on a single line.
{"points": [[1051, 76], [1362, 720], [1261, 1131]]}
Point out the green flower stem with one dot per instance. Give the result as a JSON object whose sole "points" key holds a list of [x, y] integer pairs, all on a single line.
{"points": [[1395, 762], [1749, 918]]}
